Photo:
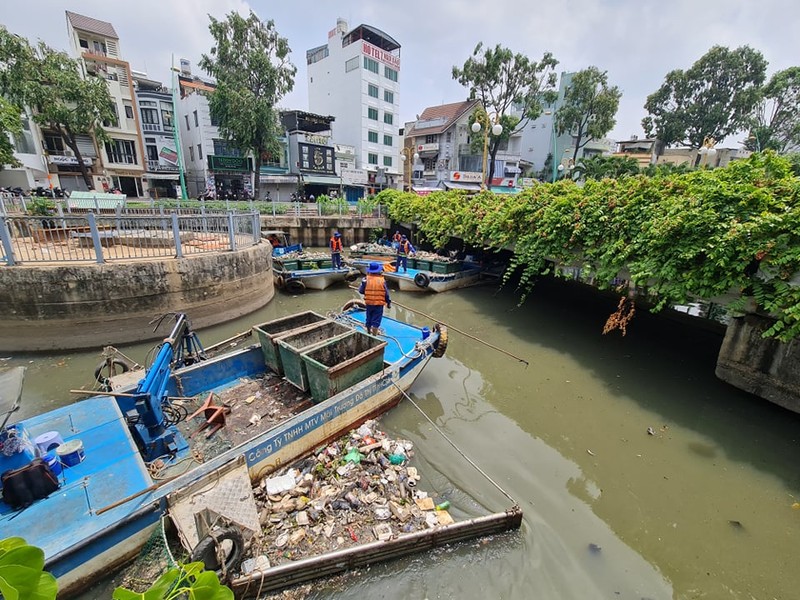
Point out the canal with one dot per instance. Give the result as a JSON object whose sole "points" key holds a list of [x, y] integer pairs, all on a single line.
{"points": [[639, 473]]}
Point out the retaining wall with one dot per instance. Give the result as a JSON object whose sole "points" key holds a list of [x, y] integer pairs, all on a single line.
{"points": [[89, 306]]}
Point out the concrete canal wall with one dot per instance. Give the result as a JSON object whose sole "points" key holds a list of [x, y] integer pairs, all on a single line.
{"points": [[88, 306], [317, 231]]}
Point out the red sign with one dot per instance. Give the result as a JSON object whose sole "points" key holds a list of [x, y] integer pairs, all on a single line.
{"points": [[381, 55]]}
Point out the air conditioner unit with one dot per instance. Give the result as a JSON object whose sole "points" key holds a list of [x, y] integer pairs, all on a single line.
{"points": [[69, 153]]}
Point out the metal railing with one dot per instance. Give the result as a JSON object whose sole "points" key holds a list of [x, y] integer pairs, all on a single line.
{"points": [[123, 236]]}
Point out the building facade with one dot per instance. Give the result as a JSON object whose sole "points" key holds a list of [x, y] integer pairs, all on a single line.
{"points": [[355, 77], [33, 170], [122, 164]]}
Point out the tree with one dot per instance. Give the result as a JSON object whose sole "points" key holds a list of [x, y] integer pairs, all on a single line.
{"points": [[600, 167], [16, 57], [505, 82], [589, 108], [10, 124], [250, 62], [715, 98], [776, 122]]}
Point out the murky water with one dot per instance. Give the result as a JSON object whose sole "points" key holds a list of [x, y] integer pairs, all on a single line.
{"points": [[701, 509]]}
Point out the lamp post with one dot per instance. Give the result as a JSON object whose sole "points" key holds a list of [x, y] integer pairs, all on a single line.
{"points": [[707, 150], [406, 154], [492, 124]]}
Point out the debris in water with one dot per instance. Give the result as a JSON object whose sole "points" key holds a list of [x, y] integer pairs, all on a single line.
{"points": [[594, 548], [651, 431]]}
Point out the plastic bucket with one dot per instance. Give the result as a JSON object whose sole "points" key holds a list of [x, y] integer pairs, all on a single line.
{"points": [[51, 458], [426, 332], [49, 440], [70, 453]]}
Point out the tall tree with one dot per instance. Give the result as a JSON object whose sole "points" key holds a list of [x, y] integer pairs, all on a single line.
{"points": [[589, 108], [505, 82], [715, 97], [250, 62], [776, 122], [16, 59], [10, 124]]}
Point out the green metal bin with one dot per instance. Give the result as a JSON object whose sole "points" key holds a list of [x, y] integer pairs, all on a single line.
{"points": [[446, 267], [423, 265], [268, 334], [336, 365], [291, 346]]}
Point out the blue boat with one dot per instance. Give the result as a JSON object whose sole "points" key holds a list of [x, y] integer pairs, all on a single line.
{"points": [[118, 456], [461, 274]]}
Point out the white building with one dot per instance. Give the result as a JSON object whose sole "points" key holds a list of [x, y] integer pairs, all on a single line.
{"points": [[355, 77], [29, 151], [96, 44]]}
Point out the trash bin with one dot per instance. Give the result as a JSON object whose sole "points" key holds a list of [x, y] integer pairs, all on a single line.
{"points": [[336, 365], [423, 265], [291, 346], [269, 332], [445, 267]]}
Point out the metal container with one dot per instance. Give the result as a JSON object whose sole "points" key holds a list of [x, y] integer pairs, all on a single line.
{"points": [[341, 362], [445, 267], [423, 265], [291, 346], [268, 334]]}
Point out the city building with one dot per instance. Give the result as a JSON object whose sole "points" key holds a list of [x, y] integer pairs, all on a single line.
{"points": [[157, 118], [312, 156], [33, 171], [355, 77], [96, 44]]}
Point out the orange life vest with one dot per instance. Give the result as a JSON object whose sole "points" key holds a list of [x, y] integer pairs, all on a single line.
{"points": [[375, 291], [404, 247], [336, 244], [397, 237]]}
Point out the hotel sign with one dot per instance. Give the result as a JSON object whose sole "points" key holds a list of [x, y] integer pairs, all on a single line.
{"points": [[466, 176], [381, 55]]}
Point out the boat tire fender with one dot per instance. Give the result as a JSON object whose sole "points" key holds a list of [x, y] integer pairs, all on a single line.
{"points": [[441, 346], [105, 371], [352, 276], [206, 550], [295, 286], [422, 280], [279, 281], [359, 304]]}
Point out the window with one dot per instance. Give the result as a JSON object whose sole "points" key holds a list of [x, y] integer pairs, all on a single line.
{"points": [[372, 113], [199, 151], [387, 140], [387, 161], [196, 122], [214, 119], [84, 43], [122, 151], [191, 153], [388, 96], [372, 136], [99, 48], [371, 65], [114, 121], [129, 111], [152, 153], [187, 122], [372, 90], [223, 148], [389, 73], [372, 158], [448, 137], [388, 118], [166, 117], [53, 143], [351, 64], [431, 139], [149, 116], [429, 164]]}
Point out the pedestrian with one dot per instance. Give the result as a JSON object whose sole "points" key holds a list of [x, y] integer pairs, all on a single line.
{"points": [[336, 250], [376, 296], [403, 250]]}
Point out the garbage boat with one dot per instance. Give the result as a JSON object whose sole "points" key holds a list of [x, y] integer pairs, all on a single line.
{"points": [[88, 483]]}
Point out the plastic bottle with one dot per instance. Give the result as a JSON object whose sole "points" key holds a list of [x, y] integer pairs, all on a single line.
{"points": [[443, 505]]}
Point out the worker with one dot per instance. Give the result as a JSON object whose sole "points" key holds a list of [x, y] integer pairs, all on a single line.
{"points": [[336, 250], [403, 250], [376, 296], [396, 239]]}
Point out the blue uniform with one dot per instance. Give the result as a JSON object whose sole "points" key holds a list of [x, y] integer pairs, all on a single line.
{"points": [[403, 250]]}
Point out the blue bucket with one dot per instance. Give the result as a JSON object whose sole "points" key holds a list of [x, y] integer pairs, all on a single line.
{"points": [[52, 461], [426, 332], [70, 453]]}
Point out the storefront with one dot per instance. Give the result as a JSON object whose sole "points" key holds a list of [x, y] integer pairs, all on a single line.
{"points": [[464, 180], [317, 170], [278, 188], [230, 177]]}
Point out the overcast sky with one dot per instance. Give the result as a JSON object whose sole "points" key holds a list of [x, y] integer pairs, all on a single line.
{"points": [[636, 41]]}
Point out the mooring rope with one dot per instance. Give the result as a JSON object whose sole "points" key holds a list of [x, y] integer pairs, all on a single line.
{"points": [[456, 448]]}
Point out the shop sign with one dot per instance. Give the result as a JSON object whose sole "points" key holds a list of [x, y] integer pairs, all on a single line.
{"points": [[381, 55], [239, 164], [68, 160], [466, 176], [169, 155], [434, 147], [316, 138], [344, 149], [316, 158], [354, 177], [503, 181]]}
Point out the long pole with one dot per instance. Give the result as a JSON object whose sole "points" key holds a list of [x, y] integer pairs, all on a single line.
{"points": [[555, 142], [485, 147], [176, 133], [464, 333]]}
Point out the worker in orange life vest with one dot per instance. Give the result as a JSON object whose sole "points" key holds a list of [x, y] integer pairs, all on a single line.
{"points": [[403, 250], [336, 250], [376, 296]]}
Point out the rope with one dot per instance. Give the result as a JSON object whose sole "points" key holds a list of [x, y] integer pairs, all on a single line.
{"points": [[456, 448]]}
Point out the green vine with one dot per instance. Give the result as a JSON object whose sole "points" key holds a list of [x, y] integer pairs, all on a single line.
{"points": [[22, 575], [679, 236], [183, 581]]}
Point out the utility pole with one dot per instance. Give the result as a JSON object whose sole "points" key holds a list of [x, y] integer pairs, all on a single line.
{"points": [[176, 132]]}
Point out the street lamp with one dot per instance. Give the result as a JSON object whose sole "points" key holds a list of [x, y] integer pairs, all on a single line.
{"points": [[492, 123], [405, 154], [707, 150]]}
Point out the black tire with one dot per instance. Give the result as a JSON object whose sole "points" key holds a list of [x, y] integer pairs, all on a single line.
{"points": [[279, 282], [108, 369], [359, 304], [441, 346], [422, 280], [352, 276], [295, 286], [230, 539]]}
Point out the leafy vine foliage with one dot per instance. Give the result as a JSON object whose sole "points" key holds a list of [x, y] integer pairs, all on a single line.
{"points": [[674, 237]]}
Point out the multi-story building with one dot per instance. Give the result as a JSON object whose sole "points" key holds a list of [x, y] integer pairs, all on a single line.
{"points": [[157, 118], [32, 171], [96, 44], [355, 77]]}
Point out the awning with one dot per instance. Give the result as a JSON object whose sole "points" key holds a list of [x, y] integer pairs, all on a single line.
{"points": [[322, 180], [278, 178], [503, 189], [452, 185]]}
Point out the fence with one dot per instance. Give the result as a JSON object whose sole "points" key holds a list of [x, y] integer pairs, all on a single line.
{"points": [[101, 238]]}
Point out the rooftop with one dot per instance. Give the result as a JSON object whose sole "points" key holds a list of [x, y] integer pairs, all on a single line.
{"points": [[90, 25], [373, 35], [436, 119]]}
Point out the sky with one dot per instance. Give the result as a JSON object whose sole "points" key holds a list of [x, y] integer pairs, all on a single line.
{"points": [[636, 41]]}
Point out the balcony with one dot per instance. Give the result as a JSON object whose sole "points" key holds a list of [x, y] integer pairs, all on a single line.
{"points": [[151, 127]]}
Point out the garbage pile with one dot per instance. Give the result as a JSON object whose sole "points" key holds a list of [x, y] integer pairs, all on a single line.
{"points": [[304, 255], [375, 248], [356, 490]]}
